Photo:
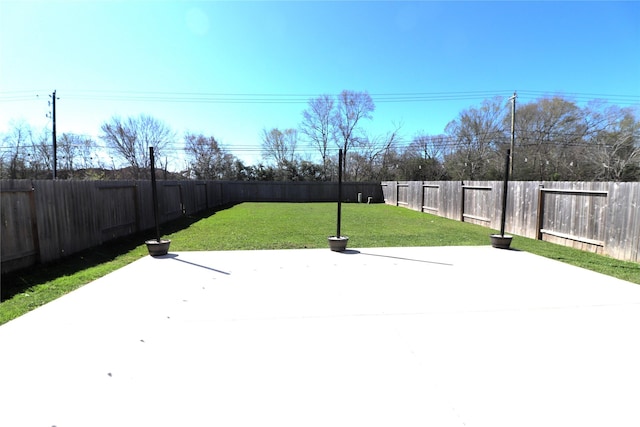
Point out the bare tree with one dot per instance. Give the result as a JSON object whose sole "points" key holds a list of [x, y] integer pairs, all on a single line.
{"points": [[41, 154], [73, 151], [16, 151], [351, 108], [550, 136], [131, 138], [477, 133], [370, 162], [13, 142], [423, 158], [317, 125], [207, 159], [68, 149], [88, 155], [280, 146], [615, 148], [429, 147]]}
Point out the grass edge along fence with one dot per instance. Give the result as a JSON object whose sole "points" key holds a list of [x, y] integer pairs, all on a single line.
{"points": [[45, 220], [600, 217]]}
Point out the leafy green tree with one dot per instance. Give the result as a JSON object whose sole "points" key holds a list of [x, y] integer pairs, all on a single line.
{"points": [[312, 171], [262, 172]]}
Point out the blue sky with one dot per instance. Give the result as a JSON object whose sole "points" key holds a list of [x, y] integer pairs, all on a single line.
{"points": [[200, 66]]}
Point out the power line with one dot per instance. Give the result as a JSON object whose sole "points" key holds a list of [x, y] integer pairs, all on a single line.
{"points": [[527, 138], [303, 98]]}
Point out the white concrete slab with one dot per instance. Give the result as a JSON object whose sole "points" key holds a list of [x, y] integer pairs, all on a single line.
{"points": [[453, 336]]}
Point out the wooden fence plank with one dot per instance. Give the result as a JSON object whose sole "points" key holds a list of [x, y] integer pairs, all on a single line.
{"points": [[69, 216], [595, 216], [430, 193], [19, 243], [74, 215]]}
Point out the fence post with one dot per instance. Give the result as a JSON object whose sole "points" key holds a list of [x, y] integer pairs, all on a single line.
{"points": [[462, 201], [540, 213]]}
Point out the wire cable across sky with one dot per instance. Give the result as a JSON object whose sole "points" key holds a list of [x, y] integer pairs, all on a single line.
{"points": [[304, 98]]}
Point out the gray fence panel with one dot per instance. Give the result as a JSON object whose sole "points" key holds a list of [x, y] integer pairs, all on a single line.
{"points": [[47, 220], [595, 216]]}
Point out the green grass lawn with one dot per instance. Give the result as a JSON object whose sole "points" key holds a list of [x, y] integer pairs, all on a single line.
{"points": [[280, 226], [307, 225]]}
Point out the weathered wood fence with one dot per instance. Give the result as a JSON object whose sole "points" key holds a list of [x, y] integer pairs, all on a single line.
{"points": [[46, 220], [602, 217], [42, 221]]}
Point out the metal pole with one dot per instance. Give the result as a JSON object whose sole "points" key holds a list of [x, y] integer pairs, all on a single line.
{"points": [[339, 190], [53, 137], [504, 192], [154, 192], [513, 126]]}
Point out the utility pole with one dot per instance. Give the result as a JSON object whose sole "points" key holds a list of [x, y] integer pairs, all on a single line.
{"points": [[53, 136], [513, 131]]}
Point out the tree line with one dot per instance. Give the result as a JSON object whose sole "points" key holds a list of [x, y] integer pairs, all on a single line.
{"points": [[555, 139]]}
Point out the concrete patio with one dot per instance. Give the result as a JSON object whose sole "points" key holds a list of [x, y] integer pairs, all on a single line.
{"points": [[424, 336]]}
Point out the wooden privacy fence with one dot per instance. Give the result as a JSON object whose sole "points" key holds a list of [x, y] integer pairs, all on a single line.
{"points": [[46, 220], [602, 217]]}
